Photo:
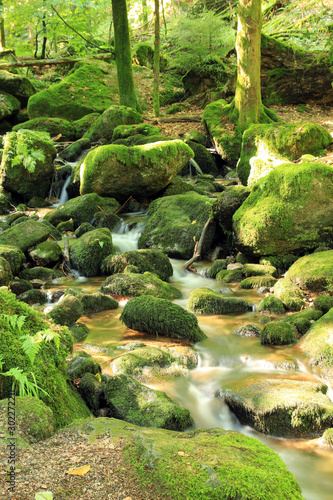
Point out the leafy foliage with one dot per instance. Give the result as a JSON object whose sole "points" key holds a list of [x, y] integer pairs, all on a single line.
{"points": [[28, 157]]}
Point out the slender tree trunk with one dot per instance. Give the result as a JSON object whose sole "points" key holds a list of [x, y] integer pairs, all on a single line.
{"points": [[248, 90], [43, 53], [123, 55], [156, 67], [2, 28], [144, 12]]}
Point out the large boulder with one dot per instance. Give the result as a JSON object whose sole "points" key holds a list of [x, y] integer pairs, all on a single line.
{"points": [[134, 285], [175, 223], [89, 88], [49, 367], [161, 317], [88, 252], [292, 297], [264, 147], [14, 256], [81, 209], [9, 105], [313, 272], [139, 171], [206, 301], [25, 235], [140, 405], [26, 168], [153, 261], [46, 254], [318, 345], [226, 205], [17, 85], [284, 408], [67, 311], [5, 272], [291, 209], [112, 117], [53, 126]]}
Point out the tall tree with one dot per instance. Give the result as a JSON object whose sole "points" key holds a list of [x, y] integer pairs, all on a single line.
{"points": [[123, 55], [156, 66], [2, 28]]}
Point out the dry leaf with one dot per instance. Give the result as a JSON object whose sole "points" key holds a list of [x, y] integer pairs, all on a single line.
{"points": [[183, 454], [80, 471], [193, 222]]}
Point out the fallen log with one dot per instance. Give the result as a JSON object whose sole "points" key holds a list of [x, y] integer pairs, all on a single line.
{"points": [[45, 62]]}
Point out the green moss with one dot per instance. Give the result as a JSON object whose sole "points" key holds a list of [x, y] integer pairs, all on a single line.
{"points": [[227, 203], [89, 88], [216, 267], [271, 304], [78, 366], [67, 225], [205, 301], [48, 252], [181, 186], [67, 311], [313, 272], [53, 126], [258, 270], [290, 294], [277, 333], [232, 276], [323, 303], [161, 317], [286, 211], [124, 131], [97, 302], [34, 296], [134, 285], [5, 272], [281, 262], [153, 261], [258, 282], [89, 251], [92, 392], [140, 405], [80, 331], [112, 117], [49, 367], [41, 273], [328, 437]]}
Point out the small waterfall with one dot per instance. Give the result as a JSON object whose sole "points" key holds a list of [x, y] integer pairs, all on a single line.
{"points": [[194, 164], [64, 195], [127, 235]]}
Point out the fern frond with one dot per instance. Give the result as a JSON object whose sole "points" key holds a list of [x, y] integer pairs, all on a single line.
{"points": [[30, 347], [49, 335]]}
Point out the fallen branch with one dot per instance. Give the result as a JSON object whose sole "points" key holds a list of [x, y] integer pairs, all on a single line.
{"points": [[44, 62], [182, 118], [198, 246]]}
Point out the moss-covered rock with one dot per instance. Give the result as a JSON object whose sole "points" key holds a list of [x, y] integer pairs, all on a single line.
{"points": [[81, 209], [290, 209], [92, 392], [5, 272], [258, 282], [216, 267], [89, 251], [175, 223], [323, 303], [105, 124], [313, 272], [258, 270], [278, 333], [16, 85], [31, 173], [46, 254], [78, 366], [153, 261], [290, 294], [14, 256], [318, 345], [9, 105], [96, 302], [203, 158], [66, 226], [73, 151], [230, 275], [34, 420], [328, 437], [83, 228], [49, 366], [227, 203], [281, 262], [67, 311], [247, 331], [124, 131], [34, 296], [267, 146], [19, 286], [134, 284], [205, 301], [139, 171], [54, 233], [89, 88], [271, 304], [181, 186], [83, 124], [25, 235], [53, 126], [136, 403], [40, 273], [109, 220], [161, 317], [80, 331], [285, 408]]}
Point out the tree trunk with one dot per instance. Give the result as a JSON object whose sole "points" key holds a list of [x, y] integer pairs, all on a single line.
{"points": [[144, 12], [156, 67], [123, 55], [2, 28], [248, 91]]}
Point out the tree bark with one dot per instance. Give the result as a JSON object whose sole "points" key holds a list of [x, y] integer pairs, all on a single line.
{"points": [[156, 65], [36, 62], [123, 55], [248, 90]]}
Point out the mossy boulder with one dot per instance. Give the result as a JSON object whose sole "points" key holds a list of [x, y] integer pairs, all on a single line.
{"points": [[291, 209], [249, 330], [83, 228], [19, 286], [53, 126], [161, 317], [5, 272], [49, 366], [83, 124], [230, 275], [32, 174], [284, 408], [143, 54], [205, 301], [92, 392], [323, 303], [88, 88], [34, 420], [17, 85], [153, 261], [140, 405], [14, 256], [135, 284], [278, 333], [41, 273], [9, 105], [78, 366], [217, 266], [67, 311], [328, 437], [227, 203], [266, 146], [25, 235], [258, 270], [106, 123], [89, 251], [124, 131], [203, 158], [74, 150], [258, 282], [290, 294], [139, 171], [175, 223], [313, 272], [80, 331], [271, 304], [180, 186], [318, 345], [97, 302], [34, 296], [81, 209], [46, 254]]}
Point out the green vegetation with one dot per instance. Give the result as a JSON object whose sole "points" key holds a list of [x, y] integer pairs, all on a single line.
{"points": [[135, 284], [205, 301], [313, 272]]}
